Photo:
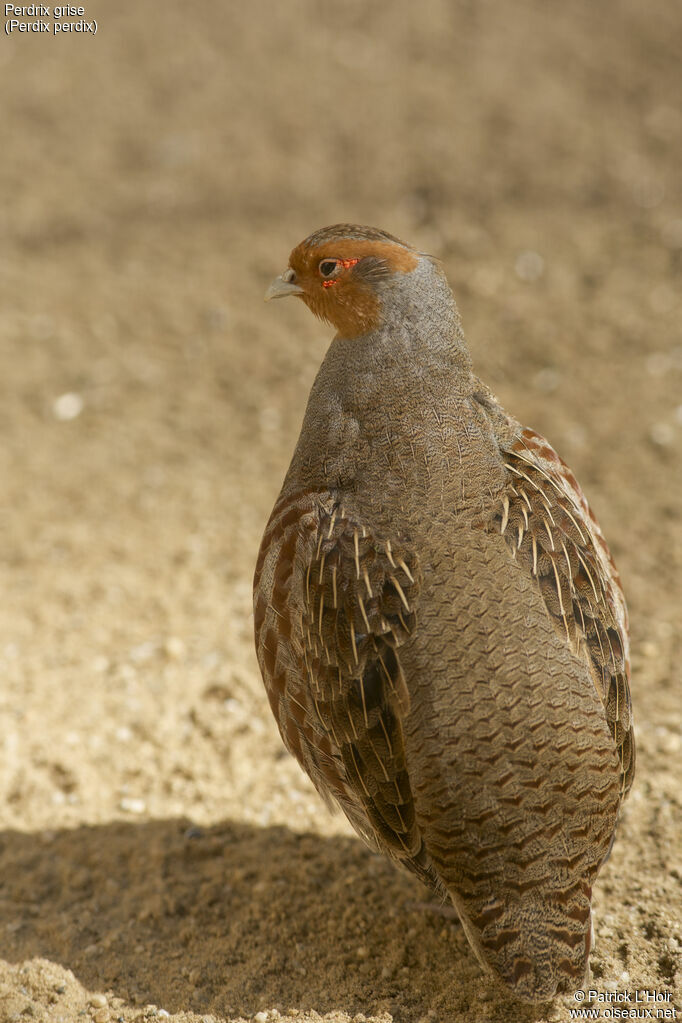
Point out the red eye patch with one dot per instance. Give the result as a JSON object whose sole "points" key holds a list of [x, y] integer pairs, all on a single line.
{"points": [[345, 263]]}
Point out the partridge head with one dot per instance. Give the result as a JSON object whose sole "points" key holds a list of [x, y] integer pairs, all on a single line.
{"points": [[439, 624]]}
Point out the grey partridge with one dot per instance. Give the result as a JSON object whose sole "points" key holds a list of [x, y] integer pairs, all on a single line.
{"points": [[439, 624]]}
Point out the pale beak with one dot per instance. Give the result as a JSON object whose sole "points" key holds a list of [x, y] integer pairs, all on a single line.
{"points": [[283, 285]]}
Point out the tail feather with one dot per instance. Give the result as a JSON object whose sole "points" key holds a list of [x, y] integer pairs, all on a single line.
{"points": [[537, 944]]}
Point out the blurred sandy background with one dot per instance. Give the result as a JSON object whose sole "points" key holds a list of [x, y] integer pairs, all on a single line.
{"points": [[159, 853]]}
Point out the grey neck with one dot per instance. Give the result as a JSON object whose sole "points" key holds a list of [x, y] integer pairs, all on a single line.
{"points": [[377, 396], [419, 313], [419, 345]]}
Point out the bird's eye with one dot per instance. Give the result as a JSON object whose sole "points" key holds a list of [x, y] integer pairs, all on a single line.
{"points": [[328, 266]]}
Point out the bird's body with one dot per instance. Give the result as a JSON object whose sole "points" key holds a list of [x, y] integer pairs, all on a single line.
{"points": [[439, 625]]}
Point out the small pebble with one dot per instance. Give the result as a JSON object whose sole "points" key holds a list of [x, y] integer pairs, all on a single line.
{"points": [[98, 1001], [658, 364], [669, 742], [529, 265], [101, 1016], [67, 406], [662, 434], [143, 652], [546, 380], [260, 1017], [175, 648], [130, 805], [194, 832]]}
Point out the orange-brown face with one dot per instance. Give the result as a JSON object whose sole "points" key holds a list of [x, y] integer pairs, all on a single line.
{"points": [[338, 279]]}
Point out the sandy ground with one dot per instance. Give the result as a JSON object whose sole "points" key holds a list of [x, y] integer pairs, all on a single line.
{"points": [[160, 855]]}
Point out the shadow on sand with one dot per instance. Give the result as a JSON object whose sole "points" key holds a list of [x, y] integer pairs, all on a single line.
{"points": [[234, 918]]}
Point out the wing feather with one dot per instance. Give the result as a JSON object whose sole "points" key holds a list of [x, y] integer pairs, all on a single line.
{"points": [[554, 534], [333, 604]]}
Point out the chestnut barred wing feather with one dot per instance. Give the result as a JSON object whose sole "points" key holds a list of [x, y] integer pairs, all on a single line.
{"points": [[552, 531], [359, 601], [333, 606]]}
